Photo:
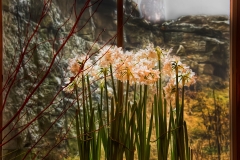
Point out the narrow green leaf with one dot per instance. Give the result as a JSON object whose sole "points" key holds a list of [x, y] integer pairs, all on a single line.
{"points": [[78, 136]]}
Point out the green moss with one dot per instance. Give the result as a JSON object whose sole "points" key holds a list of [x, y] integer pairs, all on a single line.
{"points": [[43, 33], [5, 5], [47, 22]]}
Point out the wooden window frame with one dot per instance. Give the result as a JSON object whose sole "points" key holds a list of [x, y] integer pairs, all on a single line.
{"points": [[234, 77], [1, 74]]}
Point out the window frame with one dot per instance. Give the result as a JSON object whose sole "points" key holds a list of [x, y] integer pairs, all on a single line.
{"points": [[1, 74], [234, 77]]}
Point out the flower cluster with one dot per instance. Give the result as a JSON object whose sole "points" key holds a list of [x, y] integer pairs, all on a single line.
{"points": [[78, 66], [176, 70], [135, 67]]}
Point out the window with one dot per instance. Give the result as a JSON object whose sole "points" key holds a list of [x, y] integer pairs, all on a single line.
{"points": [[235, 79]]}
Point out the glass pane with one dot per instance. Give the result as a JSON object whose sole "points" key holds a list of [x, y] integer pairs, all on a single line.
{"points": [[39, 39], [198, 32], [49, 44]]}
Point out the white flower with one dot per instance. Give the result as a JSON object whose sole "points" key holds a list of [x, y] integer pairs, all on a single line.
{"points": [[170, 90], [126, 71], [187, 78], [148, 56], [108, 55], [98, 74], [71, 83], [148, 76], [80, 64]]}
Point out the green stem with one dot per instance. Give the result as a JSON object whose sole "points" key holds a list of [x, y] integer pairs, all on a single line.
{"points": [[182, 103], [127, 90], [106, 101], [106, 94], [135, 88], [89, 93], [79, 125], [79, 111], [113, 84], [177, 95], [85, 147], [78, 136]]}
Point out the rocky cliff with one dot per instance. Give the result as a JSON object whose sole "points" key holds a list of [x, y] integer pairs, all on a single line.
{"points": [[203, 42]]}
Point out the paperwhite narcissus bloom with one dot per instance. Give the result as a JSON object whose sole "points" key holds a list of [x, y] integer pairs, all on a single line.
{"points": [[139, 67], [80, 64], [148, 76], [171, 64], [149, 53], [108, 55], [71, 83], [163, 54], [98, 73], [170, 90], [126, 71], [174, 67], [187, 78], [74, 66], [77, 66], [147, 57]]}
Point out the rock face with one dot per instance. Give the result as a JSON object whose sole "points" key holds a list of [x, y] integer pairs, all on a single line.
{"points": [[201, 41], [38, 53]]}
